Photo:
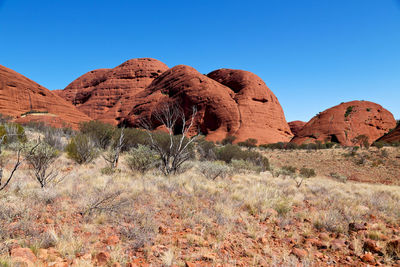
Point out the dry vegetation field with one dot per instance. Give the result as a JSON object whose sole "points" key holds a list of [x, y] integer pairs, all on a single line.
{"points": [[242, 218], [371, 165]]}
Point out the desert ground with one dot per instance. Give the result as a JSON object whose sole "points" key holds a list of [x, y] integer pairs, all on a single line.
{"points": [[346, 215]]}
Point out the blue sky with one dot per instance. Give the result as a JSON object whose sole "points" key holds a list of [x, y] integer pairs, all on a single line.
{"points": [[313, 54]]}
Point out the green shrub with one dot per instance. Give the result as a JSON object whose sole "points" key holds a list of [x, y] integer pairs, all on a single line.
{"points": [[307, 173], [289, 169], [233, 152], [34, 112], [228, 152], [206, 149], [249, 143], [349, 110], [99, 132], [81, 149], [228, 140], [329, 145], [108, 171], [279, 145], [379, 144], [132, 138], [291, 146], [142, 158]]}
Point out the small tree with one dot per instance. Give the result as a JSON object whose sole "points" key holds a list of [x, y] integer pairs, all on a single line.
{"points": [[173, 149], [41, 161], [81, 149]]}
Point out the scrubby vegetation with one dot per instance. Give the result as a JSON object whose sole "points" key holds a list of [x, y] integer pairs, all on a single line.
{"points": [[220, 205]]}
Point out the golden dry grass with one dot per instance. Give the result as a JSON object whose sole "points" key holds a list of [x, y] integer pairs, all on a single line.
{"points": [[187, 217]]}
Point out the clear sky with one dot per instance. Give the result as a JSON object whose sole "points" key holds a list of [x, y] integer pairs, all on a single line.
{"points": [[313, 54]]}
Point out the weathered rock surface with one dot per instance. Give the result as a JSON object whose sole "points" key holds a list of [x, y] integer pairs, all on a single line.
{"points": [[393, 136], [261, 115], [108, 94], [296, 126], [229, 102], [19, 95], [344, 122]]}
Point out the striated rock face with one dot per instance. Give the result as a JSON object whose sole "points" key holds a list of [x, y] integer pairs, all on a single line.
{"points": [[344, 122], [393, 136], [107, 94], [261, 115], [229, 102], [19, 94], [296, 126]]}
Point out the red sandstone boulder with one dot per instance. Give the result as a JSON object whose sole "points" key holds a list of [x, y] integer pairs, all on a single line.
{"points": [[108, 94], [229, 102], [296, 126], [19, 95], [344, 122], [393, 136]]}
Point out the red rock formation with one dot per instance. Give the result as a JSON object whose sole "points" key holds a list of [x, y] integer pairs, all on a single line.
{"points": [[296, 126], [229, 102], [107, 94], [393, 136], [261, 115], [344, 122], [19, 95]]}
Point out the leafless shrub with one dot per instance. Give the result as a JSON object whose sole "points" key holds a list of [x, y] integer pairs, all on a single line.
{"points": [[112, 155], [331, 220], [16, 165], [41, 161], [49, 238], [174, 147], [142, 229], [103, 200]]}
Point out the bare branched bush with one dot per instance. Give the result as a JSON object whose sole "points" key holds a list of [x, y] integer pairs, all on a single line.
{"points": [[142, 229], [112, 155], [174, 148], [41, 161], [142, 159], [212, 170], [82, 149], [3, 161], [102, 200]]}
